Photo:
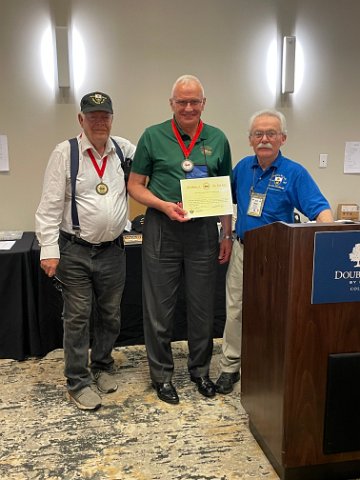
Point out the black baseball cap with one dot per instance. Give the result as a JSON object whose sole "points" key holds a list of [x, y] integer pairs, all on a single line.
{"points": [[96, 102]]}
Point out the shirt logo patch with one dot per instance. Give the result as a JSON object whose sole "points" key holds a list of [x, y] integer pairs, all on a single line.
{"points": [[278, 181], [206, 150]]}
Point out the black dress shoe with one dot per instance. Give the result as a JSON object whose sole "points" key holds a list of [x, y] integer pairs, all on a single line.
{"points": [[205, 386], [225, 383], [166, 392]]}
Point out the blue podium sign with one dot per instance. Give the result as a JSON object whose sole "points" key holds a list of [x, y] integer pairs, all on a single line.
{"points": [[336, 267]]}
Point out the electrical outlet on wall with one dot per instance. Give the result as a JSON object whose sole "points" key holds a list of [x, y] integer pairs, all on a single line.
{"points": [[323, 160]]}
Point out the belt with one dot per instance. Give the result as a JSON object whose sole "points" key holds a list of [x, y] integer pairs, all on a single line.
{"points": [[240, 240], [74, 239]]}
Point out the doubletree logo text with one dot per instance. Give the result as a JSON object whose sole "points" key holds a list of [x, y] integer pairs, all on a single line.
{"points": [[351, 274], [355, 255]]}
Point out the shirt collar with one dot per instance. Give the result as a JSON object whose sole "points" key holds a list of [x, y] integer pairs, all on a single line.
{"points": [[185, 136], [276, 163], [86, 144]]}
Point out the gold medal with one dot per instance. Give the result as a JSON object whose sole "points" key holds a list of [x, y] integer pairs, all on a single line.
{"points": [[102, 188], [187, 165]]}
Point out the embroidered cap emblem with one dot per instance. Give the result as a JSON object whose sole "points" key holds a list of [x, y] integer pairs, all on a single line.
{"points": [[98, 98]]}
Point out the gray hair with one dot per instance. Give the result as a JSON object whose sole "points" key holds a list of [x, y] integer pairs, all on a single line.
{"points": [[269, 113], [187, 79]]}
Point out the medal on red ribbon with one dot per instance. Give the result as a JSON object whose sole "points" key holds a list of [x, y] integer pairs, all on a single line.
{"points": [[101, 188], [187, 165]]}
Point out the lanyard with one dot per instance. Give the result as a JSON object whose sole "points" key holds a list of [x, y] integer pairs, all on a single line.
{"points": [[100, 171], [252, 188], [186, 150], [257, 200]]}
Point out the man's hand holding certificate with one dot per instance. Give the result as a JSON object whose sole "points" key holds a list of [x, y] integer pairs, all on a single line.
{"points": [[207, 197]]}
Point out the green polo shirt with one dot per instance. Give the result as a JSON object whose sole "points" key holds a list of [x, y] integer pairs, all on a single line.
{"points": [[159, 156]]}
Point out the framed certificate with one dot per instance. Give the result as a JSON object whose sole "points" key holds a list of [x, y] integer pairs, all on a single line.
{"points": [[207, 197]]}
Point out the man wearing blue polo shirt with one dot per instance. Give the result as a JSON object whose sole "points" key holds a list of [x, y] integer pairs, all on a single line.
{"points": [[267, 187]]}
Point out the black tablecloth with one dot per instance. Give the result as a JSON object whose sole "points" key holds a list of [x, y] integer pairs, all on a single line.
{"points": [[19, 332], [31, 307]]}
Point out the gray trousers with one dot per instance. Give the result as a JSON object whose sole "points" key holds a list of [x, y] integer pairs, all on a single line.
{"points": [[89, 274], [169, 250]]}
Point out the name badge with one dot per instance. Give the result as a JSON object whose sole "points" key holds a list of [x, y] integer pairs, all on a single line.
{"points": [[198, 171], [256, 204]]}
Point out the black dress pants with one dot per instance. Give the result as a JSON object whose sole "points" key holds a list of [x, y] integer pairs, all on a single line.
{"points": [[169, 249]]}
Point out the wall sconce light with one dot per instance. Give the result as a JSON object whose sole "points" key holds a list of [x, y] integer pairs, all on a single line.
{"points": [[62, 56], [288, 65]]}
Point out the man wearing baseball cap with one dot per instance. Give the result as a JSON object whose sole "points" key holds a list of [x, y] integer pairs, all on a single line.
{"points": [[96, 101], [79, 225]]}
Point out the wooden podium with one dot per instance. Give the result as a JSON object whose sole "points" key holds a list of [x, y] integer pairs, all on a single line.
{"points": [[299, 406]]}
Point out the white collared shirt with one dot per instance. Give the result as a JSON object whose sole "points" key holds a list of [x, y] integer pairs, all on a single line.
{"points": [[102, 218]]}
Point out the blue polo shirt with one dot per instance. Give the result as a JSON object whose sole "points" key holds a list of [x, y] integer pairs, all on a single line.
{"points": [[288, 185]]}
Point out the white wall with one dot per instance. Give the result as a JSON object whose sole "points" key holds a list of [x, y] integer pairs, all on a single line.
{"points": [[135, 49]]}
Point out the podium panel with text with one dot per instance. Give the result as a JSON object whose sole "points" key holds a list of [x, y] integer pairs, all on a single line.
{"points": [[300, 366]]}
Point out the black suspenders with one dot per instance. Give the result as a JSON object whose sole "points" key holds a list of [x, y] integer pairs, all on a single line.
{"points": [[74, 167]]}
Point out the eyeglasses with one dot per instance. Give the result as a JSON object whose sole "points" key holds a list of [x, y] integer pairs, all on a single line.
{"points": [[106, 118], [270, 134], [185, 103]]}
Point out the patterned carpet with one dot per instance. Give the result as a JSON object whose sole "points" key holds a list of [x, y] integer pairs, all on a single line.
{"points": [[134, 436]]}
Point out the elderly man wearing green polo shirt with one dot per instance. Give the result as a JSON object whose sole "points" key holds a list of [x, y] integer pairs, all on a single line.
{"points": [[173, 245]]}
